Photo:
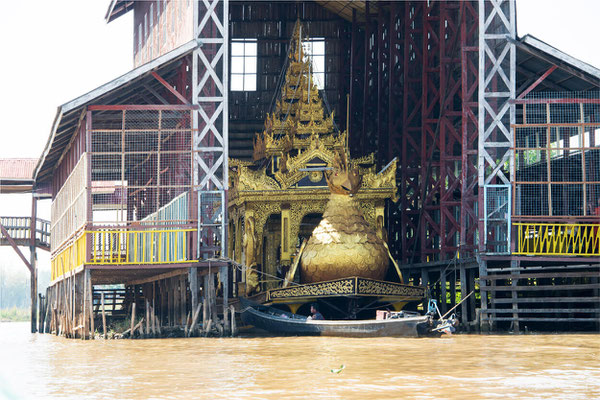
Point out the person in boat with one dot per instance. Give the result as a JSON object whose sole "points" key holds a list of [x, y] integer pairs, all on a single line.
{"points": [[451, 325], [315, 314]]}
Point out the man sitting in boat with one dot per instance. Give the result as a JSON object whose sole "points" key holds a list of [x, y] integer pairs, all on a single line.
{"points": [[450, 327], [314, 310]]}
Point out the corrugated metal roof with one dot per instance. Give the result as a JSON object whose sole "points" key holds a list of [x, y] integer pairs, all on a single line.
{"points": [[17, 168]]}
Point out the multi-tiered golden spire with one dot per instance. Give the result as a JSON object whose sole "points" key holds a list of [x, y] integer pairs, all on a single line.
{"points": [[299, 117]]}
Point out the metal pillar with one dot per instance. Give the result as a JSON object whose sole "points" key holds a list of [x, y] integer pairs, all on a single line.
{"points": [[441, 119], [395, 113], [210, 122], [411, 124], [33, 263], [497, 80], [469, 128]]}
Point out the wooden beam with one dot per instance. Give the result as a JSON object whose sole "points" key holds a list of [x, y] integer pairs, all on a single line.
{"points": [[542, 310], [546, 319], [549, 300], [155, 278], [537, 82], [142, 107], [170, 88], [16, 248], [543, 287], [542, 275]]}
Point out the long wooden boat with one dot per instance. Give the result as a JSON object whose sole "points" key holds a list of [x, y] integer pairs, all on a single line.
{"points": [[284, 323]]}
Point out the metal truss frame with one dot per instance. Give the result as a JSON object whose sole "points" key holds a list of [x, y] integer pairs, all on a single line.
{"points": [[497, 87], [411, 123], [210, 121], [438, 175], [469, 128]]}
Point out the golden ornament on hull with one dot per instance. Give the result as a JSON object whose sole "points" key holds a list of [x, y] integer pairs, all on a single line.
{"points": [[343, 244]]}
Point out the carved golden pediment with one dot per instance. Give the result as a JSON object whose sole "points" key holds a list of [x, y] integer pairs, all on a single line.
{"points": [[385, 179], [249, 179]]}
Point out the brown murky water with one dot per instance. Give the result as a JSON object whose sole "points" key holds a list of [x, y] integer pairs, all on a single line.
{"points": [[457, 367]]}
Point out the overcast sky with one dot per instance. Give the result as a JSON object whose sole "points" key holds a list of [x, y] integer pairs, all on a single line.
{"points": [[56, 50]]}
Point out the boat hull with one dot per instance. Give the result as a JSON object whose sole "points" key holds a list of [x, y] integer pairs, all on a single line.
{"points": [[279, 322]]}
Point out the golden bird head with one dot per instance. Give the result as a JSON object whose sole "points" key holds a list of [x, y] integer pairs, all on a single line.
{"points": [[344, 178]]}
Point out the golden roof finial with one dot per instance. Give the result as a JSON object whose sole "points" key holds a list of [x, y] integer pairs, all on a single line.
{"points": [[299, 111]]}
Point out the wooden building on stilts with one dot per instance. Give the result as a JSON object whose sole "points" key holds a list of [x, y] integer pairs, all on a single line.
{"points": [[136, 170]]}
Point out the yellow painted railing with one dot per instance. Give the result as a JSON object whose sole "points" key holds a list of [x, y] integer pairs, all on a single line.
{"points": [[71, 257], [122, 246], [558, 239]]}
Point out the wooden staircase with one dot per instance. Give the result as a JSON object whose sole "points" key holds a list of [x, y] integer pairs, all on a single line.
{"points": [[19, 230]]}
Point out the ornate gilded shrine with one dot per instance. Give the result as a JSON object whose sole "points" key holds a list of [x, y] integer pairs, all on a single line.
{"points": [[276, 200]]}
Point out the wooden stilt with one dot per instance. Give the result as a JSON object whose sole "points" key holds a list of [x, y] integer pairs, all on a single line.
{"points": [[163, 302], [443, 300], [205, 303], [158, 326], [183, 299], [224, 276], [213, 299], [132, 319], [171, 300], [103, 315], [153, 317], [233, 326], [194, 320], [147, 317], [85, 332], [463, 293], [193, 280], [90, 300], [45, 328], [39, 312]]}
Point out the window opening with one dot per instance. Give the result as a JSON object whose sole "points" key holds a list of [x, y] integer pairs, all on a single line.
{"points": [[315, 48], [243, 65]]}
